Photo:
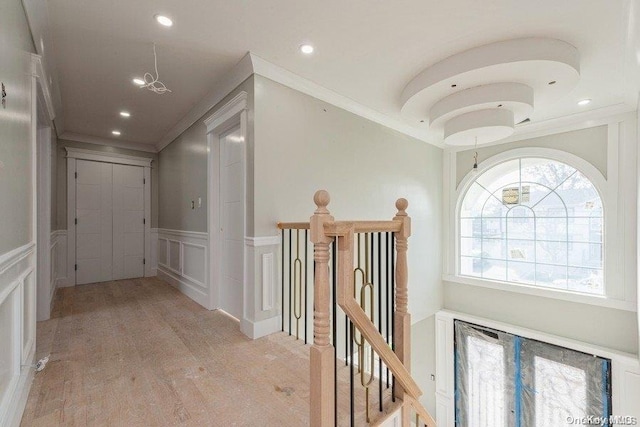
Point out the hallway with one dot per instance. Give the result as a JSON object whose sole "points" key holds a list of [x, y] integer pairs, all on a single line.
{"points": [[140, 353]]}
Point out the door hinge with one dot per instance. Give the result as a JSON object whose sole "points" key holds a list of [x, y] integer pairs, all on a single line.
{"points": [[144, 181], [76, 175], [144, 260], [76, 221], [76, 267], [144, 220]]}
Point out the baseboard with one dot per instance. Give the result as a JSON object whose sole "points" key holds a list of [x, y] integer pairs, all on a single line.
{"points": [[183, 286], [260, 328], [64, 282], [20, 394]]}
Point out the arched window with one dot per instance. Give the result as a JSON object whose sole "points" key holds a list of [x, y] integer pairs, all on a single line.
{"points": [[533, 221]]}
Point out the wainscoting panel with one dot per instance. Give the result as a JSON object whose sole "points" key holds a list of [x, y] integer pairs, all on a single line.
{"points": [[151, 267], [182, 261], [59, 261], [17, 330]]}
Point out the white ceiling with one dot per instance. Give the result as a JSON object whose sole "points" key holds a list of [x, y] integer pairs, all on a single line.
{"points": [[366, 50]]}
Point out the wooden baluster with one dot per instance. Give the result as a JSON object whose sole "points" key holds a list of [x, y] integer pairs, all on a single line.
{"points": [[402, 330], [322, 353]]}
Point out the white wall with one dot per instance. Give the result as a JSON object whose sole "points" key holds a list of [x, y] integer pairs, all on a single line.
{"points": [[17, 225], [611, 146], [303, 144]]}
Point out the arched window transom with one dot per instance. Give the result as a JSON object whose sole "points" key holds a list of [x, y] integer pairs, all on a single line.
{"points": [[533, 221]]}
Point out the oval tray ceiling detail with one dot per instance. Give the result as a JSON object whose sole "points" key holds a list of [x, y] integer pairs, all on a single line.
{"points": [[499, 82]]}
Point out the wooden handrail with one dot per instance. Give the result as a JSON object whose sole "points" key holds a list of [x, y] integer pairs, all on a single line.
{"points": [[293, 225], [420, 410], [368, 330], [333, 228], [359, 226], [322, 354]]}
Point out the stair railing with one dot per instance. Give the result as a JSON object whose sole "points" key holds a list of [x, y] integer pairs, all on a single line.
{"points": [[324, 230]]}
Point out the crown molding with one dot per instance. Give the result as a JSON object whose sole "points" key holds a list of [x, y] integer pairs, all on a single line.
{"points": [[40, 73], [582, 120], [240, 72], [69, 136], [287, 78]]}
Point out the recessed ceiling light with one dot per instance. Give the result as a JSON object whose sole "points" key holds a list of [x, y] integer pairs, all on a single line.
{"points": [[138, 81], [584, 102], [163, 20], [125, 114], [307, 49], [116, 132]]}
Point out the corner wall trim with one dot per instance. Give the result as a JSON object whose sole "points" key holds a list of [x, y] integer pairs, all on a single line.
{"points": [[262, 241], [260, 328], [70, 136]]}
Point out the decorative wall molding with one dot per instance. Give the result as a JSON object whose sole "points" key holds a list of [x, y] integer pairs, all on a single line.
{"points": [[182, 262], [267, 281], [70, 136], [18, 306], [262, 241], [98, 156], [225, 113], [625, 368]]}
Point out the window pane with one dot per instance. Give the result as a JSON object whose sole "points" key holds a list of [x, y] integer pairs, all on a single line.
{"points": [[588, 280], [521, 250], [501, 175], [493, 228], [585, 229], [551, 252], [551, 229], [522, 272], [474, 201], [494, 248], [470, 266], [492, 269], [551, 276], [585, 255], [470, 246], [545, 171], [470, 227], [528, 220]]}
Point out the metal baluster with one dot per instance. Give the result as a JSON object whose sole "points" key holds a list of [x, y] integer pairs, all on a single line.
{"points": [[306, 263], [282, 280]]}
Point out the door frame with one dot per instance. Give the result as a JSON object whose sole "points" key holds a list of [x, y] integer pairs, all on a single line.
{"points": [[230, 115], [75, 154]]}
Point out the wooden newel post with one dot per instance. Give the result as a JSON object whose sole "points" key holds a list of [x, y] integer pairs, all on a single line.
{"points": [[322, 353], [402, 318]]}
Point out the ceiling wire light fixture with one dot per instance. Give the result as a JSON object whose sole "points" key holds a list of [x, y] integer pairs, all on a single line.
{"points": [[153, 83], [475, 158]]}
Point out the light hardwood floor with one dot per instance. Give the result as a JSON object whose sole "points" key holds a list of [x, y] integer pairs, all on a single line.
{"points": [[140, 353]]}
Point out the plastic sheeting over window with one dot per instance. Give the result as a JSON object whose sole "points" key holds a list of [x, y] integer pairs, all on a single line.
{"points": [[504, 380]]}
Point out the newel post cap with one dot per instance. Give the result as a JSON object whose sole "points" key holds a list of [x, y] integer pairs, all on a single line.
{"points": [[402, 205], [321, 215]]}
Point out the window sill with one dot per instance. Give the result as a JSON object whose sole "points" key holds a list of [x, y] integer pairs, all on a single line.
{"points": [[601, 301]]}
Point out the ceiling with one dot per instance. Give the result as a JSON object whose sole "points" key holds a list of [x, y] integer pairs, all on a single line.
{"points": [[365, 50]]}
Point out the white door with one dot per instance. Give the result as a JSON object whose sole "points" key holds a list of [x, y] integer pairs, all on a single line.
{"points": [[128, 222], [232, 227], [94, 232]]}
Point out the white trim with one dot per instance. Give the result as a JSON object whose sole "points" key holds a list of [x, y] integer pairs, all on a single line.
{"points": [[148, 271], [99, 156], [287, 78], [268, 270], [616, 297], [240, 72], [256, 242], [9, 259], [96, 140], [232, 113], [260, 328], [227, 112], [41, 74], [43, 175], [584, 120], [194, 234], [185, 275], [71, 227], [196, 293], [624, 366]]}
